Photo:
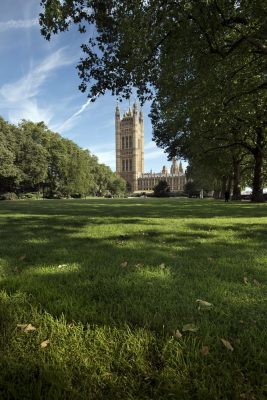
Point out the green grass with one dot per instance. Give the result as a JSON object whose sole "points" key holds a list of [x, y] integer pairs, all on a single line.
{"points": [[111, 327]]}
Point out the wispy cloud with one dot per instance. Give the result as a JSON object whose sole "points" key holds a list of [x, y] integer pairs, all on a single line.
{"points": [[18, 24], [105, 153], [150, 145], [106, 157], [29, 85], [21, 97], [154, 154], [68, 124]]}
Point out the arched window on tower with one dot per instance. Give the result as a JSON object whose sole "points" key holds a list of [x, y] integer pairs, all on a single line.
{"points": [[130, 142], [122, 142], [123, 165], [130, 165], [126, 142], [126, 167]]}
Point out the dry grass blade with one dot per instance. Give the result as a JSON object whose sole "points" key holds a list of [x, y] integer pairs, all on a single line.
{"points": [[44, 343], [205, 350], [190, 328], [227, 344], [26, 327], [178, 334], [203, 304], [124, 264]]}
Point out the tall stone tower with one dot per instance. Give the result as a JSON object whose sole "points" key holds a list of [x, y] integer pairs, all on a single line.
{"points": [[130, 145]]}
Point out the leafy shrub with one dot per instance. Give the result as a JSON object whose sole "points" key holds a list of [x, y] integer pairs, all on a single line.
{"points": [[9, 196], [162, 189], [30, 195]]}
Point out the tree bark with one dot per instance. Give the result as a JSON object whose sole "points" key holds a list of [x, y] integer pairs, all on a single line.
{"points": [[223, 187], [236, 179], [257, 185]]}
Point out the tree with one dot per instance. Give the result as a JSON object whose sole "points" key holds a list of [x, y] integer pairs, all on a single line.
{"points": [[186, 52], [10, 174], [117, 185], [162, 189], [34, 159]]}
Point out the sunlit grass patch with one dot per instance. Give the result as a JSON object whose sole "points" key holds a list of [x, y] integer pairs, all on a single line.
{"points": [[108, 283]]}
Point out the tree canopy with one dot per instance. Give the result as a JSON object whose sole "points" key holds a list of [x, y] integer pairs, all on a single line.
{"points": [[202, 62], [34, 159]]}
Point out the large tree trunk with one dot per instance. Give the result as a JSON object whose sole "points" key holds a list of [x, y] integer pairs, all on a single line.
{"points": [[257, 185], [236, 179], [229, 183], [223, 187]]}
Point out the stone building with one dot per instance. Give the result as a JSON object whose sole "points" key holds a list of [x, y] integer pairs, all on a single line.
{"points": [[130, 155]]}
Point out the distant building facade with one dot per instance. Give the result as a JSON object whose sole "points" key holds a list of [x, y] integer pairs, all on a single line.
{"points": [[130, 155]]}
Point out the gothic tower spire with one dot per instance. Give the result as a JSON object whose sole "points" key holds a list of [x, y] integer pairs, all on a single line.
{"points": [[130, 145]]}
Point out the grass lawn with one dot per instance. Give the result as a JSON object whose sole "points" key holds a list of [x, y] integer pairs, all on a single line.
{"points": [[111, 287]]}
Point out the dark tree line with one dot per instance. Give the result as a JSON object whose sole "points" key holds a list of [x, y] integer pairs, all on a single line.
{"points": [[202, 62], [34, 159]]}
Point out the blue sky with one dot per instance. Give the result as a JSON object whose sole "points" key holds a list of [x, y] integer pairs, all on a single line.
{"points": [[39, 82]]}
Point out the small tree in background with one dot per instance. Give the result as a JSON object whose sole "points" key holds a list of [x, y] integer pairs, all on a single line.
{"points": [[192, 189], [162, 189]]}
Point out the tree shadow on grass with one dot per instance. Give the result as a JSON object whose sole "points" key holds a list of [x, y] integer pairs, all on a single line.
{"points": [[139, 208], [84, 277], [63, 266]]}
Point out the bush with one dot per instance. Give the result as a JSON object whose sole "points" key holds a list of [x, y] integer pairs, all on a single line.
{"points": [[30, 195], [162, 189], [56, 195], [9, 196]]}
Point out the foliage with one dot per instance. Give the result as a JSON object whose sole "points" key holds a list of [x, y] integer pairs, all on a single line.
{"points": [[9, 196], [35, 160], [192, 189], [162, 189], [203, 62]]}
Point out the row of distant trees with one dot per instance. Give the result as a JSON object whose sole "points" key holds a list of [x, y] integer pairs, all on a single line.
{"points": [[35, 160]]}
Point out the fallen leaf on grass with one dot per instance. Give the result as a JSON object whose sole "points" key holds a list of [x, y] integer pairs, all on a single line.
{"points": [[205, 350], [257, 283], [245, 279], [227, 344], [190, 328], [26, 327], [162, 266], [203, 304], [139, 265], [124, 264], [44, 343], [178, 334]]}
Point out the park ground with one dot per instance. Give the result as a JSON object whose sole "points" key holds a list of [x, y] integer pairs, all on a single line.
{"points": [[133, 299]]}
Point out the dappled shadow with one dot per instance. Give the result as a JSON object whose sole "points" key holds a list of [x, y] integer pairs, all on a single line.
{"points": [[93, 287], [137, 208], [119, 265]]}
